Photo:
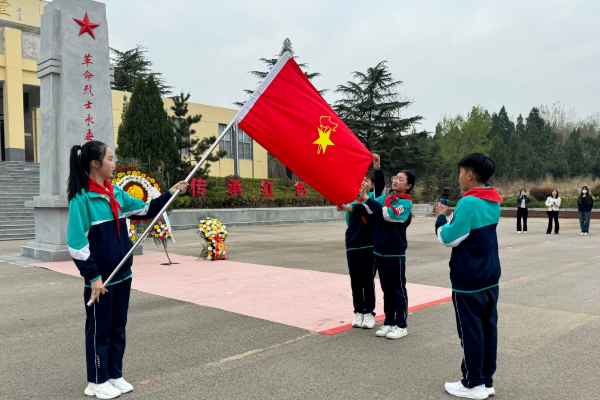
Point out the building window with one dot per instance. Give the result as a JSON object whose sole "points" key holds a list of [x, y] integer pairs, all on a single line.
{"points": [[227, 143], [244, 145]]}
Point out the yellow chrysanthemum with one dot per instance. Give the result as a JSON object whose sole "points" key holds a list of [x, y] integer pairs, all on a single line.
{"points": [[114, 181], [133, 238], [120, 175], [131, 226], [136, 192], [168, 233], [156, 227]]}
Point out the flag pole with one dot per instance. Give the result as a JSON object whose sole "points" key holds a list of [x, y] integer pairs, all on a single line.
{"points": [[149, 228]]}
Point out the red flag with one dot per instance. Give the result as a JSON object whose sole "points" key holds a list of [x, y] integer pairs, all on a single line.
{"points": [[288, 117]]}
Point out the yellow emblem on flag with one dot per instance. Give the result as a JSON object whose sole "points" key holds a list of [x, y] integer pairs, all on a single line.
{"points": [[325, 130]]}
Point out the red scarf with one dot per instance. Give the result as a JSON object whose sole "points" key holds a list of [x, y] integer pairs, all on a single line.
{"points": [[486, 193], [396, 197], [364, 219], [107, 189]]}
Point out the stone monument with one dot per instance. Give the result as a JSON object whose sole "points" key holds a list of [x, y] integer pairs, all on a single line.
{"points": [[75, 75]]}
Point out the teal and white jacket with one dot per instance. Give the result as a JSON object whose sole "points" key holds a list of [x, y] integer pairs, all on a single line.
{"points": [[359, 234], [471, 232], [92, 237], [391, 215]]}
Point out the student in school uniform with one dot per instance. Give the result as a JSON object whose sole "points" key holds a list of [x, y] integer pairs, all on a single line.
{"points": [[359, 251], [391, 214], [98, 239], [474, 273]]}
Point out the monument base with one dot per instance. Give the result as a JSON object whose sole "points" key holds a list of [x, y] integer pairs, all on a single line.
{"points": [[53, 252], [51, 216]]}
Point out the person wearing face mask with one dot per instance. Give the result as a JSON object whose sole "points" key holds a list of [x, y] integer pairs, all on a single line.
{"points": [[553, 204], [585, 202], [522, 211]]}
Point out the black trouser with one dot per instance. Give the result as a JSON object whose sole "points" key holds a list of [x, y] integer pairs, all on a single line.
{"points": [[522, 213], [552, 215], [477, 325], [393, 283], [361, 264], [105, 332]]}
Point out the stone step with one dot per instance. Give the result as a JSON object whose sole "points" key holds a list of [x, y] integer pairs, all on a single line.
{"points": [[26, 234], [19, 195], [20, 189], [23, 220], [14, 216], [17, 228]]}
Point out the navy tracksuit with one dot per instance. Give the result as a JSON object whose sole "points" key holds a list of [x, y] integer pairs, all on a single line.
{"points": [[105, 332], [359, 253], [475, 274], [97, 247]]}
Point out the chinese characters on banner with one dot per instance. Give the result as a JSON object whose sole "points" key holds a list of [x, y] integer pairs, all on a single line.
{"points": [[300, 189], [88, 95], [198, 187], [234, 187], [267, 189]]}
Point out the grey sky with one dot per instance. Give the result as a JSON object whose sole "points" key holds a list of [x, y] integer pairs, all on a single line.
{"points": [[451, 55]]}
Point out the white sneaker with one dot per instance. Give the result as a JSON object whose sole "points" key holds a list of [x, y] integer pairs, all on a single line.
{"points": [[525, 232], [383, 331], [581, 233], [122, 385], [458, 390], [358, 320], [102, 391], [518, 231], [396, 333], [585, 233], [368, 321], [491, 391]]}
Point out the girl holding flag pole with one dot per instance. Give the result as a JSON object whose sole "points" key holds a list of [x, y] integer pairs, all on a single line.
{"points": [[97, 239], [359, 251], [391, 215]]}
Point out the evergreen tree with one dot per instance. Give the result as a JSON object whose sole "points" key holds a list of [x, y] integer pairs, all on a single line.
{"points": [[146, 132], [270, 63], [190, 148], [371, 107], [502, 126], [274, 164], [132, 64]]}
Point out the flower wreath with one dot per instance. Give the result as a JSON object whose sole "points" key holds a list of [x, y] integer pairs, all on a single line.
{"points": [[137, 183], [213, 234], [143, 186]]}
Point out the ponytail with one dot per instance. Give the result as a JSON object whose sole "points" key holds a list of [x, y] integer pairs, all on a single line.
{"points": [[79, 165]]}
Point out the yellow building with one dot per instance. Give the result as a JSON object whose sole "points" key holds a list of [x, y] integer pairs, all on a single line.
{"points": [[20, 100]]}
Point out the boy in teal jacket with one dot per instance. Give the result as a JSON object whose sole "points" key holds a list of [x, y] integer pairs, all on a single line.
{"points": [[474, 273]]}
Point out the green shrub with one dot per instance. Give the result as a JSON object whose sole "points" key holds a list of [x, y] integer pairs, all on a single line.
{"points": [[541, 193]]}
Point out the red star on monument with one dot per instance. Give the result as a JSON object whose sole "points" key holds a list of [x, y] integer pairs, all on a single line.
{"points": [[86, 26]]}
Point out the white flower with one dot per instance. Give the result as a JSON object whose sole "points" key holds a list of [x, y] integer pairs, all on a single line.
{"points": [[210, 249], [209, 258]]}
